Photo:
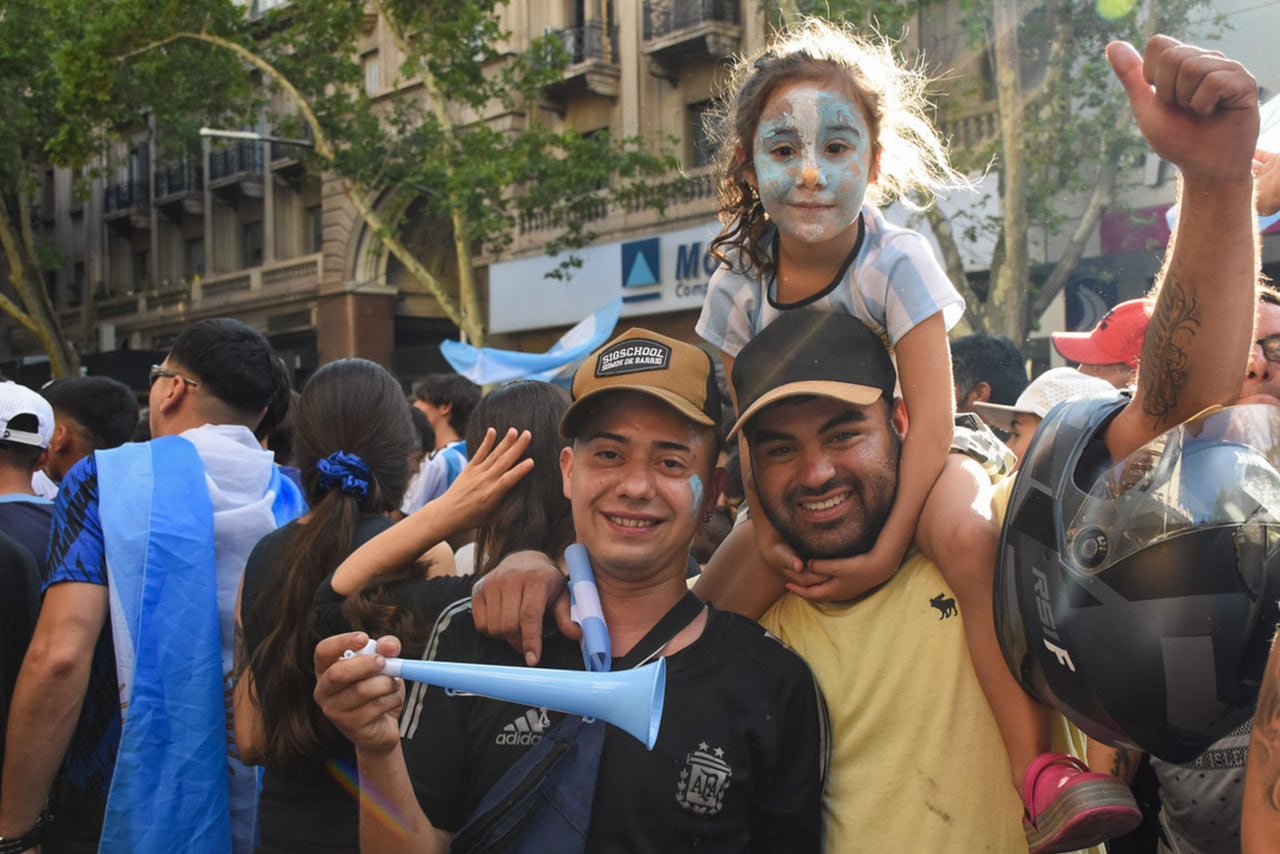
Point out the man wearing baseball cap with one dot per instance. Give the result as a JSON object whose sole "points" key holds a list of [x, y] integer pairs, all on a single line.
{"points": [[1111, 349], [739, 762], [26, 425], [824, 432]]}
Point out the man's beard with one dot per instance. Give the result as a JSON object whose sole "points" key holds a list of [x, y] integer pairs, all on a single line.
{"points": [[856, 533], [862, 529]]}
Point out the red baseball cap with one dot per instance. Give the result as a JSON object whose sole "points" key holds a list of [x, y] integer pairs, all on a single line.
{"points": [[1117, 337]]}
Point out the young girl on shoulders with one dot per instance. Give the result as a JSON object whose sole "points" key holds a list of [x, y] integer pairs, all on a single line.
{"points": [[817, 131]]}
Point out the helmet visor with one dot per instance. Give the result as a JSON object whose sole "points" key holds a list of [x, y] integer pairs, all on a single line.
{"points": [[1221, 468]]}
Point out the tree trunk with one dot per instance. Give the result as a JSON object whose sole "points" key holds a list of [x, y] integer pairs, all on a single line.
{"points": [[35, 314], [472, 323], [1010, 288], [974, 319]]}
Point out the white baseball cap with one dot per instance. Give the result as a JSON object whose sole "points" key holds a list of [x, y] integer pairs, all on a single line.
{"points": [[15, 400], [1044, 393]]}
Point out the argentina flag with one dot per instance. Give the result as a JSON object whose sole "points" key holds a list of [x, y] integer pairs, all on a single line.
{"points": [[486, 365]]}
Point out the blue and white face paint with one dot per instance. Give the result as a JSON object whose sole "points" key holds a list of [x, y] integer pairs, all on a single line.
{"points": [[698, 490], [812, 160]]}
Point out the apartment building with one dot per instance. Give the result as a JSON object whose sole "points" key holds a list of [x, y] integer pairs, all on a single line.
{"points": [[245, 230]]}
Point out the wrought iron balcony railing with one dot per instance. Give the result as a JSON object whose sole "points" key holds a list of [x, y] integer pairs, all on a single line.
{"points": [[590, 42], [184, 177], [235, 159], [125, 195], [666, 17]]}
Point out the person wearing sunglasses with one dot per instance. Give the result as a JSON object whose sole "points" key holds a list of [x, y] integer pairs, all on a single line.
{"points": [[1262, 380], [127, 675]]}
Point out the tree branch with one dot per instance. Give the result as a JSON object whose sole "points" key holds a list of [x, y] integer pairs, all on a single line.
{"points": [[468, 293], [360, 199], [1099, 200], [953, 263], [357, 193], [43, 305], [18, 278], [1056, 62]]}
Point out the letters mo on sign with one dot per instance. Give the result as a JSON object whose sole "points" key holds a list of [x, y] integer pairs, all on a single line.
{"points": [[654, 275]]}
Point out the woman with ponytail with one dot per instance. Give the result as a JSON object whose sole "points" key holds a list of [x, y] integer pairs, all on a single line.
{"points": [[353, 436], [511, 493]]}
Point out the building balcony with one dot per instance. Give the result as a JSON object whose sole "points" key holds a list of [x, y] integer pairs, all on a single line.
{"points": [[969, 128], [125, 204], [180, 188], [593, 62], [285, 159], [136, 302], [676, 31], [168, 295], [280, 281], [237, 168], [693, 199], [278, 277]]}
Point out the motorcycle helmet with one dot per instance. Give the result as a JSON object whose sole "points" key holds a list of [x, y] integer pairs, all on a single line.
{"points": [[1140, 597]]}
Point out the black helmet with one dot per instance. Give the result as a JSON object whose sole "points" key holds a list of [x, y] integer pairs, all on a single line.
{"points": [[1140, 598]]}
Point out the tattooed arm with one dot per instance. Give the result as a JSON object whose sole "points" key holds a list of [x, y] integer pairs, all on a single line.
{"points": [[1119, 762], [1260, 827], [1199, 111]]}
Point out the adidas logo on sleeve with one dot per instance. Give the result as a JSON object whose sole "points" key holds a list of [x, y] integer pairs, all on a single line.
{"points": [[526, 730]]}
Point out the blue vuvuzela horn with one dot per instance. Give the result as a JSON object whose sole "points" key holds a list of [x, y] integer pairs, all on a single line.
{"points": [[629, 699]]}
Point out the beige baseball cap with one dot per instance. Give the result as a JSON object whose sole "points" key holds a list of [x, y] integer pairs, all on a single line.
{"points": [[678, 373]]}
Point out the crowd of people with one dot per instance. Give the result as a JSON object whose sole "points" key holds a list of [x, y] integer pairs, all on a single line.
{"points": [[199, 632]]}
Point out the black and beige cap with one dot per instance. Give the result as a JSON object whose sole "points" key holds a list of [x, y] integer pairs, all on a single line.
{"points": [[812, 353], [677, 373]]}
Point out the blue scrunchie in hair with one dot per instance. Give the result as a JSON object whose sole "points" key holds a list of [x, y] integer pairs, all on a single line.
{"points": [[345, 471]]}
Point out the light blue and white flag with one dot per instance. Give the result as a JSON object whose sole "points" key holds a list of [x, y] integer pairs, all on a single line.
{"points": [[175, 786], [585, 610], [485, 365], [1268, 140]]}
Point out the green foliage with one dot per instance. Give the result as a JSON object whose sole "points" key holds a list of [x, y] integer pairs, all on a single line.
{"points": [[1072, 127], [890, 18], [459, 135], [66, 99], [466, 140]]}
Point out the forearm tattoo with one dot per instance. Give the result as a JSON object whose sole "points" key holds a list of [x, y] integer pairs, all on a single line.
{"points": [[1164, 352], [1123, 764]]}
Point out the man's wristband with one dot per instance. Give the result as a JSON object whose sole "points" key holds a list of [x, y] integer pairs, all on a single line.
{"points": [[30, 839]]}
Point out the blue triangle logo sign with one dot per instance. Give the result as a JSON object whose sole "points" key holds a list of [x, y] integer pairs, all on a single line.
{"points": [[640, 262], [640, 273]]}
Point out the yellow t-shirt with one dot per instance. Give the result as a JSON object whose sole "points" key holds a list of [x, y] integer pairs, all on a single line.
{"points": [[917, 762]]}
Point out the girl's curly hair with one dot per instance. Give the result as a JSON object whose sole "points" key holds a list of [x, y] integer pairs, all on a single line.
{"points": [[911, 158]]}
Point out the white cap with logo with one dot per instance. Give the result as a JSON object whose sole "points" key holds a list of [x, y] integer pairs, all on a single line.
{"points": [[17, 400], [1044, 393]]}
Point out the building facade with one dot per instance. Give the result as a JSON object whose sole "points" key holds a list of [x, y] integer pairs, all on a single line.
{"points": [[244, 230]]}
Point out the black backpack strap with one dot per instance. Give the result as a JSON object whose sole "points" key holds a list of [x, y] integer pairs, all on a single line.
{"points": [[672, 623]]}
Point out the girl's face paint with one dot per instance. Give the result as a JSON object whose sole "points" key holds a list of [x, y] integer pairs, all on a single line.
{"points": [[812, 160], [695, 486]]}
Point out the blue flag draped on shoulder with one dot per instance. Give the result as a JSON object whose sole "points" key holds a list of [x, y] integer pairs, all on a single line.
{"points": [[172, 789], [484, 365]]}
